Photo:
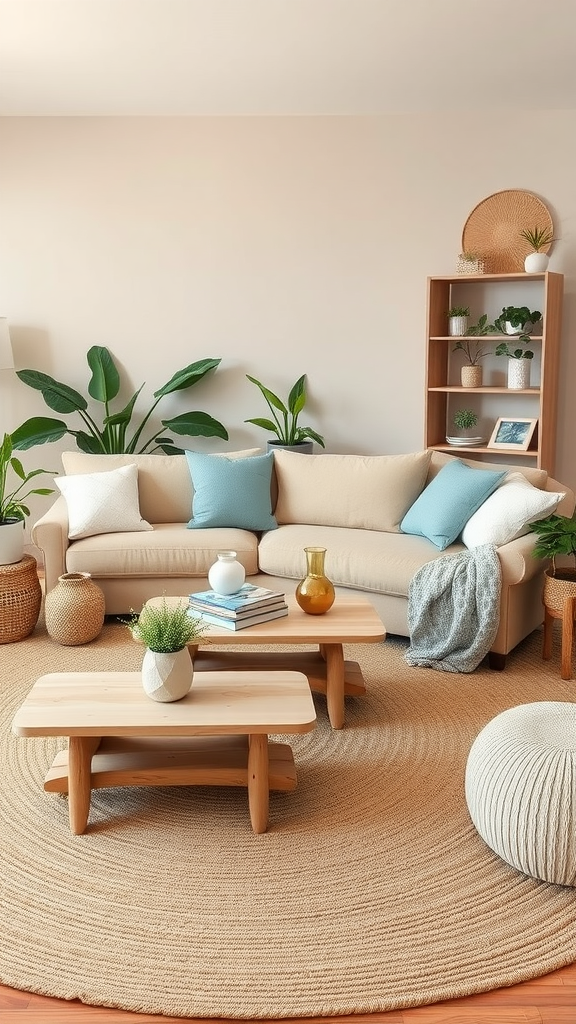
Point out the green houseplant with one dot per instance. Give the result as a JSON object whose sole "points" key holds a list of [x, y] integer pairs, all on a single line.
{"points": [[537, 238], [166, 630], [13, 507], [556, 537], [284, 422], [113, 437]]}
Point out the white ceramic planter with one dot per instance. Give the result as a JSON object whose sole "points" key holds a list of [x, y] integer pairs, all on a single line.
{"points": [[11, 542], [536, 263], [457, 326], [518, 374], [227, 575], [167, 676]]}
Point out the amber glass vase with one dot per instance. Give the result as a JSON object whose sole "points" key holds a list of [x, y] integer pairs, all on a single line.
{"points": [[315, 593]]}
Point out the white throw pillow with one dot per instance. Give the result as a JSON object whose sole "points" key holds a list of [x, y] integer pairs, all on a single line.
{"points": [[509, 510], [102, 502]]}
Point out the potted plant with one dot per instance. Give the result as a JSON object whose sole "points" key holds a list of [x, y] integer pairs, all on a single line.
{"points": [[469, 263], [536, 262], [556, 538], [458, 320], [13, 510], [112, 437], [517, 320], [471, 372], [464, 420], [285, 425], [166, 630]]}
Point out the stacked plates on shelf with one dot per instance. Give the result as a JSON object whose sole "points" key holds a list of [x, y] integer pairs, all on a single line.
{"points": [[466, 442]]}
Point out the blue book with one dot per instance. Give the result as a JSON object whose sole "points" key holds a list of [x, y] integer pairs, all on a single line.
{"points": [[249, 620], [249, 596]]}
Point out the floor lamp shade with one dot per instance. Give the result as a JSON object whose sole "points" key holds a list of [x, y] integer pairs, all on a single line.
{"points": [[6, 354]]}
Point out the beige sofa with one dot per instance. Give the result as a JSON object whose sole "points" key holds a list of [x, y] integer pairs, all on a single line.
{"points": [[351, 505]]}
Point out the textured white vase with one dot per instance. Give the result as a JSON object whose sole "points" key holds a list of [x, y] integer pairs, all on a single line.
{"points": [[457, 326], [227, 575], [167, 676], [11, 542], [536, 263], [518, 374]]}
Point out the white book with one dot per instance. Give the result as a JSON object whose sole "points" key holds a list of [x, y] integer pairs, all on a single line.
{"points": [[235, 624]]}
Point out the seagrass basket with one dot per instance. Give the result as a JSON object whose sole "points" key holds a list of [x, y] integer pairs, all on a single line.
{"points": [[20, 599], [558, 587]]}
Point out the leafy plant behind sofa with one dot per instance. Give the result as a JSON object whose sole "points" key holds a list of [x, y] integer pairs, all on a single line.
{"points": [[112, 438]]}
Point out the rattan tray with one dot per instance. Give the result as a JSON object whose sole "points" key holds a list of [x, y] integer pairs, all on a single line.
{"points": [[493, 229]]}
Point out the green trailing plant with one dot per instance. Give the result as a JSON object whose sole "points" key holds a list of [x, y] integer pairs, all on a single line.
{"points": [[458, 311], [166, 628], [112, 437], [12, 502], [465, 419], [517, 317], [556, 537], [284, 422], [481, 328], [537, 238]]}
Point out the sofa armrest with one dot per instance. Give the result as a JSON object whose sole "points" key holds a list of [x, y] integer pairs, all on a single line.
{"points": [[568, 503], [517, 561], [50, 535]]}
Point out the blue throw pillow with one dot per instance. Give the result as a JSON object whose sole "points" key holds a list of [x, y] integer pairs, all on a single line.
{"points": [[444, 507], [231, 492]]}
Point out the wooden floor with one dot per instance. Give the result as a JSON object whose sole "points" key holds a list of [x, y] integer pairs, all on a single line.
{"points": [[548, 1000]]}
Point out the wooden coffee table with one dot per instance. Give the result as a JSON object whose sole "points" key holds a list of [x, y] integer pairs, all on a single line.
{"points": [[351, 619], [117, 736]]}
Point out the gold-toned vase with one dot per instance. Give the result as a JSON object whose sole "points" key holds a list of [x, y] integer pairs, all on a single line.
{"points": [[315, 593]]}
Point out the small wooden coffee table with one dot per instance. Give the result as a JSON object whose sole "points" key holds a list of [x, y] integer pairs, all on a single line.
{"points": [[117, 736], [351, 619]]}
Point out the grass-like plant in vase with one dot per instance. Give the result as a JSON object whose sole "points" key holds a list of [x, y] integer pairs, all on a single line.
{"points": [[166, 630], [536, 262]]}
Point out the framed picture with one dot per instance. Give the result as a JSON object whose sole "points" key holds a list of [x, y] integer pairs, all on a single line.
{"points": [[513, 433]]}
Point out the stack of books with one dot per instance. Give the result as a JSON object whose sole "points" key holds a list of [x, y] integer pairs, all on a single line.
{"points": [[246, 607]]}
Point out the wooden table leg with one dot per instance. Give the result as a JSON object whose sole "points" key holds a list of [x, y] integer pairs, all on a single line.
{"points": [[567, 637], [548, 627], [334, 654], [80, 750], [258, 783]]}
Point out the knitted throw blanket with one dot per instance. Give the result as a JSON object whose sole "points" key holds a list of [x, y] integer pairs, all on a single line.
{"points": [[454, 610]]}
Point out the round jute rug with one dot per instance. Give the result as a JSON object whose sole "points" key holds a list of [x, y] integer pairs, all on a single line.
{"points": [[370, 891]]}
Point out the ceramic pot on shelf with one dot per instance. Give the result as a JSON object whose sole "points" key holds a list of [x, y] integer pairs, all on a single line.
{"points": [[536, 262], [518, 374], [457, 326]]}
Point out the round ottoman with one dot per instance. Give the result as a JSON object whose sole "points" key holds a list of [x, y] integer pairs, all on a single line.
{"points": [[521, 789]]}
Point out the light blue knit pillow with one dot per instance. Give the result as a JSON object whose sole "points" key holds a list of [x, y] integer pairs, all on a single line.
{"points": [[442, 510], [231, 492]]}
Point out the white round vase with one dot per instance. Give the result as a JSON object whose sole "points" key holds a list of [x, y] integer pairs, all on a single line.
{"points": [[518, 374], [227, 575], [536, 262], [167, 676]]}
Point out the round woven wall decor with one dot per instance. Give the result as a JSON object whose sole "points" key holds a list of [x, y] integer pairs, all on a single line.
{"points": [[492, 230]]}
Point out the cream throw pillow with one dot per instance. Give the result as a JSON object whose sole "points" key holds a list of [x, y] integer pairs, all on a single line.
{"points": [[365, 492], [104, 502], [509, 510]]}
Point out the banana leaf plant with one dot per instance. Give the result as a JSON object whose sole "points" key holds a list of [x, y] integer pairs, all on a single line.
{"points": [[13, 502], [286, 426], [116, 435]]}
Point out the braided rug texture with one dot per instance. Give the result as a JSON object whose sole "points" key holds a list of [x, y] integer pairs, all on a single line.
{"points": [[371, 890]]}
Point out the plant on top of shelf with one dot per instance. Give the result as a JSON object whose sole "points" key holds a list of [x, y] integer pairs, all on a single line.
{"points": [[112, 437], [465, 419], [537, 238]]}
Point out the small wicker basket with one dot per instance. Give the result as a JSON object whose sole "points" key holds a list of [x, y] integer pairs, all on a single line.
{"points": [[20, 599], [557, 588]]}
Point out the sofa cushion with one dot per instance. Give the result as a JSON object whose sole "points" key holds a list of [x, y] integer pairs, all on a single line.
{"points": [[169, 550], [164, 482], [506, 514], [447, 503], [231, 492], [102, 502], [366, 492]]}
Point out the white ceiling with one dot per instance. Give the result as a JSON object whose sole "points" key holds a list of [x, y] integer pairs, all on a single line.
{"points": [[300, 57]]}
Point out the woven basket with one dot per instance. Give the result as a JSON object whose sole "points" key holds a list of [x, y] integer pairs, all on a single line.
{"points": [[20, 599], [557, 588], [75, 609], [471, 376]]}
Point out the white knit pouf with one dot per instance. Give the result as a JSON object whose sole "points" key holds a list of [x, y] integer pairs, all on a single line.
{"points": [[521, 789]]}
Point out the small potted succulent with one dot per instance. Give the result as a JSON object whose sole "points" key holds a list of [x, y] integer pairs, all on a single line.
{"points": [[464, 420], [536, 261], [166, 630], [285, 425], [458, 321]]}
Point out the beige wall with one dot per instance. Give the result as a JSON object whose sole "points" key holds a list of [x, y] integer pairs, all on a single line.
{"points": [[282, 245]]}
